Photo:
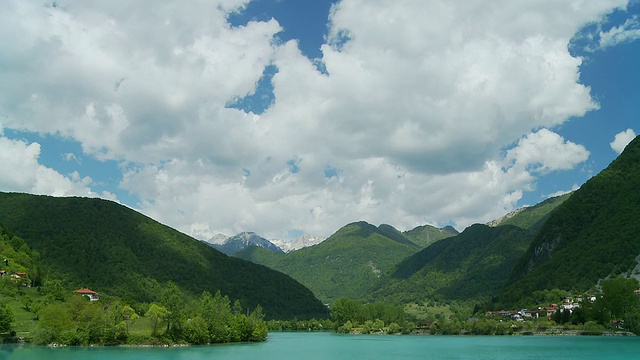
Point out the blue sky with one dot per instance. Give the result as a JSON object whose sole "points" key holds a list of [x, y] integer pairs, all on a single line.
{"points": [[288, 117]]}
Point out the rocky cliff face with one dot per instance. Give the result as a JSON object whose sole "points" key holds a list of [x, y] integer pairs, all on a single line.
{"points": [[239, 242]]}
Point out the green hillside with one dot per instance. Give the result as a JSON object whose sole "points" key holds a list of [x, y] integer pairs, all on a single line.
{"points": [[474, 264], [347, 264], [592, 235], [426, 235], [117, 251], [532, 216]]}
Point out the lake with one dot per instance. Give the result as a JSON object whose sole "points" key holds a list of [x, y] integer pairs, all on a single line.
{"points": [[316, 346]]}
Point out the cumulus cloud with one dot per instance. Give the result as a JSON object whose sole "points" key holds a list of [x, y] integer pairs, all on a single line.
{"points": [[622, 139], [22, 172], [417, 103], [546, 151]]}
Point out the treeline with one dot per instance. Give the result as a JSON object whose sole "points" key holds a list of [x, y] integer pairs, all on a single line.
{"points": [[353, 316], [69, 319], [618, 307], [175, 319]]}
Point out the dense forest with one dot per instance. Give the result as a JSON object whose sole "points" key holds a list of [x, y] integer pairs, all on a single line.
{"points": [[591, 236], [109, 247], [348, 264]]}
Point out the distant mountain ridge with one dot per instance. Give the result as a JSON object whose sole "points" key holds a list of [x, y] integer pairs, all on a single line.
{"points": [[241, 241], [426, 235], [347, 264], [298, 243]]}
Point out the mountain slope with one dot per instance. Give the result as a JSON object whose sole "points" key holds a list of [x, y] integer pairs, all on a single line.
{"points": [[592, 235], [347, 264], [117, 251], [473, 264], [529, 217], [426, 235], [242, 241]]}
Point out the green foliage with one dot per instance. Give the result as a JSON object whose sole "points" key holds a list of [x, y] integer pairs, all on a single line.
{"points": [[115, 250], [173, 301], [213, 320], [592, 235], [158, 315], [54, 290], [618, 297], [81, 322], [426, 235], [472, 265], [348, 314], [533, 216], [347, 264], [6, 317], [16, 257], [300, 325]]}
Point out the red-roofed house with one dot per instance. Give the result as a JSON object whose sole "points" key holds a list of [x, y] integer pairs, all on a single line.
{"points": [[92, 295]]}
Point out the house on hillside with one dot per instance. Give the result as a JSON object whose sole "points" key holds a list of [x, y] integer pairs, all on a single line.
{"points": [[92, 295], [3, 272], [637, 292]]}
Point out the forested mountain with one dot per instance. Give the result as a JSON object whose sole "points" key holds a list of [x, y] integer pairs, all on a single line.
{"points": [[426, 235], [347, 264], [531, 216], [117, 251], [592, 235], [473, 264]]}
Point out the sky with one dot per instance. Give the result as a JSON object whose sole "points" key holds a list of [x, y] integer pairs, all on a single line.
{"points": [[291, 117]]}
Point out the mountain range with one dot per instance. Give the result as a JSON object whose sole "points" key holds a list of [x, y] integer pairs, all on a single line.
{"points": [[233, 244], [569, 242], [117, 251], [350, 262], [239, 242]]}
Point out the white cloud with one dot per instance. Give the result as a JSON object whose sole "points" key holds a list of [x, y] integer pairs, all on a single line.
{"points": [[21, 172], [622, 139], [627, 32], [414, 111], [71, 157], [546, 151]]}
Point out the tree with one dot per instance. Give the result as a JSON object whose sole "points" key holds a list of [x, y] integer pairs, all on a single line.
{"points": [[6, 318], [54, 290], [216, 313], [173, 301], [258, 326], [618, 296], [157, 314], [344, 310], [129, 315]]}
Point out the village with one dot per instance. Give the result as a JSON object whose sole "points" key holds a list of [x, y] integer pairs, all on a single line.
{"points": [[568, 306]]}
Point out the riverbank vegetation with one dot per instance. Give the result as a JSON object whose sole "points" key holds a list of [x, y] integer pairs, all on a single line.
{"points": [[53, 315], [48, 312]]}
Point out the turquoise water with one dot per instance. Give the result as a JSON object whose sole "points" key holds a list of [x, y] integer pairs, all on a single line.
{"points": [[315, 346]]}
